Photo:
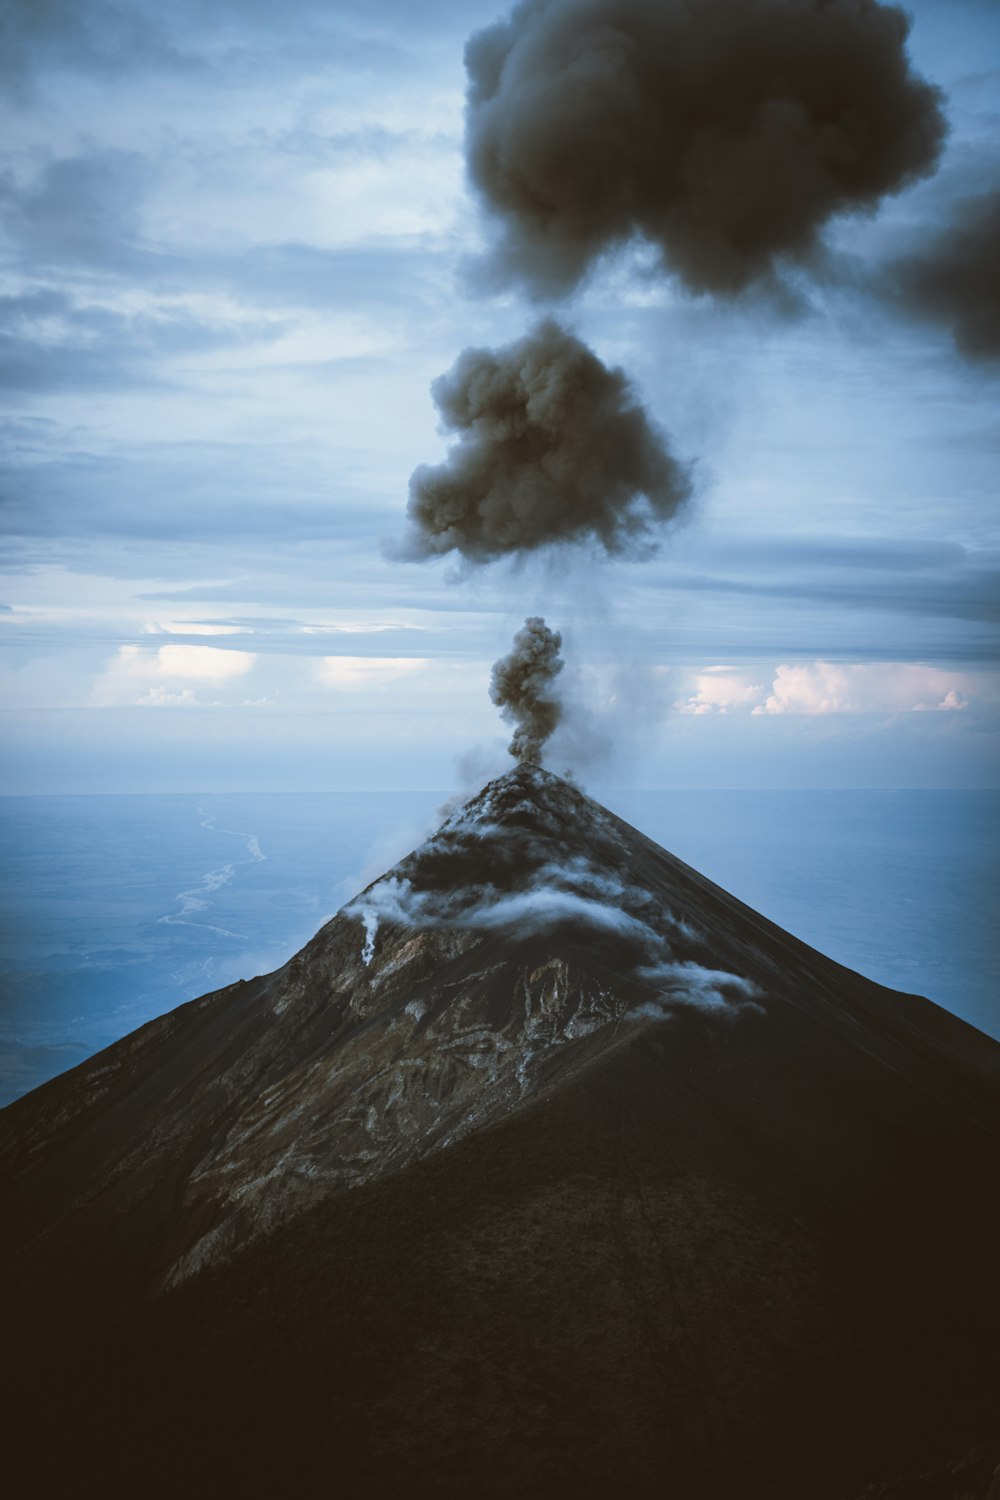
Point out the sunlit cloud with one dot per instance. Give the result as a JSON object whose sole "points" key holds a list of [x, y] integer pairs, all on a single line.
{"points": [[203, 663], [719, 689], [823, 687], [157, 676], [359, 627], [367, 671], [871, 687], [190, 627]]}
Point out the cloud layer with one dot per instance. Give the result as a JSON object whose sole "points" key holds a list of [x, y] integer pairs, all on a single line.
{"points": [[823, 687]]}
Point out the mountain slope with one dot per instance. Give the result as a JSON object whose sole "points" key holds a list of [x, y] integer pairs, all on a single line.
{"points": [[547, 1167]]}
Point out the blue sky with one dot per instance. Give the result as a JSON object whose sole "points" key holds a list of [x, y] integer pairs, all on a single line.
{"points": [[235, 254]]}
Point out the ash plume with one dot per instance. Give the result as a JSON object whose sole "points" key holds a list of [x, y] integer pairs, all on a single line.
{"points": [[522, 686], [553, 447], [956, 279], [725, 133]]}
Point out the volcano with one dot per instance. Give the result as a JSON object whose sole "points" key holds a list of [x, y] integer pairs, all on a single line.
{"points": [[547, 1168]]}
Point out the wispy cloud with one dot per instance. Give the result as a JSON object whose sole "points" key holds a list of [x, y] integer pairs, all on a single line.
{"points": [[350, 672]]}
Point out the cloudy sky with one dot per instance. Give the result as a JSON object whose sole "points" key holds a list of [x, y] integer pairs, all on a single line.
{"points": [[239, 244]]}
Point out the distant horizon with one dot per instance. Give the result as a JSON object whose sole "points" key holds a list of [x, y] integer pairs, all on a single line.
{"points": [[451, 791]]}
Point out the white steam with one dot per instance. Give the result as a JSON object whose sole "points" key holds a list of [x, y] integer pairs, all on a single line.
{"points": [[558, 894], [690, 984]]}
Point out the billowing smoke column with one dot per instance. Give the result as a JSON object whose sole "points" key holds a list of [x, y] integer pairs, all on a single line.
{"points": [[956, 280], [725, 133], [522, 686], [553, 447]]}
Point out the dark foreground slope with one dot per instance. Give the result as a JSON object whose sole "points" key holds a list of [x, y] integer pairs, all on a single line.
{"points": [[547, 1168]]}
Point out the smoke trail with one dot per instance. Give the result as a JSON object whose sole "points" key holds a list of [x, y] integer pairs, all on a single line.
{"points": [[522, 687], [956, 279], [726, 133], [553, 447]]}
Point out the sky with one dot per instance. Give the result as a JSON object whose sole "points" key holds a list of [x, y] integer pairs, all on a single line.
{"points": [[239, 244]]}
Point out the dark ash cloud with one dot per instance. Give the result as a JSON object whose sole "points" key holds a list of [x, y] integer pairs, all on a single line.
{"points": [[956, 279], [553, 447], [726, 133], [522, 685]]}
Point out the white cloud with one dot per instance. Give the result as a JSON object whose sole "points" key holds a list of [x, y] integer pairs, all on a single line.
{"points": [[199, 663], [367, 671], [360, 627], [189, 627], [876, 687], [161, 697], [718, 689], [951, 700], [822, 687], [156, 676]]}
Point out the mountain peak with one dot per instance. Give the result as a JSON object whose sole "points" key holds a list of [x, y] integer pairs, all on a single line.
{"points": [[544, 1067], [525, 788], [528, 854], [527, 934], [527, 820]]}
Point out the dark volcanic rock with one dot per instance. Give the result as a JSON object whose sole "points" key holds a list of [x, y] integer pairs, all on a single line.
{"points": [[546, 1168]]}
